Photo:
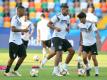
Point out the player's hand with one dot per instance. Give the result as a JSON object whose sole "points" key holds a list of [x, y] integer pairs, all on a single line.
{"points": [[67, 29], [81, 43], [22, 33], [57, 29]]}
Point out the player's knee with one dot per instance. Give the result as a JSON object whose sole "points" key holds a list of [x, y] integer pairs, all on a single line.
{"points": [[71, 51], [85, 59]]}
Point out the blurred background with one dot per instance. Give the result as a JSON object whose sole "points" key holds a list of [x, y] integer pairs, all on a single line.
{"points": [[50, 8]]}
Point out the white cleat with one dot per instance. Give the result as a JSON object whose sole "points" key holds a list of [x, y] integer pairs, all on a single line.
{"points": [[9, 74], [16, 73], [57, 74], [67, 72]]}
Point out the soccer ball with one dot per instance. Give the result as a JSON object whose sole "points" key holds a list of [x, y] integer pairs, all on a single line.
{"points": [[36, 58], [81, 72], [64, 72], [34, 71]]}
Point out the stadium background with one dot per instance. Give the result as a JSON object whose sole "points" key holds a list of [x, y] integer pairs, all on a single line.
{"points": [[50, 8]]}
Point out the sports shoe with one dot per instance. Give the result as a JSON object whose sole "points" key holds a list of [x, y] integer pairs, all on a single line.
{"points": [[16, 73], [43, 62], [56, 74], [96, 75], [8, 74], [88, 72]]}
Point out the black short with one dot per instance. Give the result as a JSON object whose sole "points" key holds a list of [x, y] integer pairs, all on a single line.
{"points": [[25, 43], [16, 50], [66, 45], [57, 44], [92, 49], [48, 43]]}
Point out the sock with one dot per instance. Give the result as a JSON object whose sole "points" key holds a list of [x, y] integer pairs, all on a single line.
{"points": [[16, 67], [55, 69], [60, 67], [44, 60], [96, 70], [89, 63], [65, 66], [79, 58], [87, 66], [7, 69], [44, 52]]}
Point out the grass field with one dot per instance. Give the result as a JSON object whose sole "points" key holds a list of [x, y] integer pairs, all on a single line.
{"points": [[46, 73]]}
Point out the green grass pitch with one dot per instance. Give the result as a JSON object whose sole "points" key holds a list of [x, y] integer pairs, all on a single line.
{"points": [[46, 73]]}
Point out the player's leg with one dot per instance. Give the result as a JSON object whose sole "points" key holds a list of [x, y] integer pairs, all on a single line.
{"points": [[44, 51], [89, 58], [79, 60], [67, 47], [79, 53], [12, 54], [57, 44], [22, 55], [95, 61], [25, 43], [50, 55], [85, 56]]}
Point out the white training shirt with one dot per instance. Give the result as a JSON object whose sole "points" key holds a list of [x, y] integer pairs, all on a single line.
{"points": [[30, 26], [91, 17], [44, 29], [15, 37], [88, 35], [61, 22]]}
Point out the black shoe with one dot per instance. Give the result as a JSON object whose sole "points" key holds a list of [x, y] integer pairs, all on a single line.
{"points": [[96, 75], [88, 72]]}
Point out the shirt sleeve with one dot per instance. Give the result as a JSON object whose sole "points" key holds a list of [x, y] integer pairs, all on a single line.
{"points": [[54, 19], [31, 25]]}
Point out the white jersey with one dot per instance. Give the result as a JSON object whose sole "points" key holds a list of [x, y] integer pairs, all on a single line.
{"points": [[27, 24], [88, 35], [61, 22], [91, 17], [15, 37], [44, 30]]}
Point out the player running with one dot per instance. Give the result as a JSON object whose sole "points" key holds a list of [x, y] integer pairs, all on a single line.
{"points": [[16, 47], [88, 42]]}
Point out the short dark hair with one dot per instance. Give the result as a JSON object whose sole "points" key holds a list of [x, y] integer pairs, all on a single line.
{"points": [[43, 15], [81, 15], [20, 7], [64, 5]]}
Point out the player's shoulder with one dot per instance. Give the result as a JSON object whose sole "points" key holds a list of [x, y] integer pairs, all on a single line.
{"points": [[58, 14], [15, 17], [88, 23]]}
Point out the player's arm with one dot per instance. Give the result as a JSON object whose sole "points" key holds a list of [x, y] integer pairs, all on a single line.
{"points": [[98, 37], [51, 25], [81, 40], [38, 33], [14, 29], [38, 36], [32, 29]]}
